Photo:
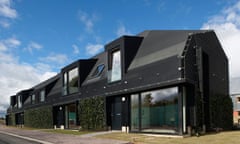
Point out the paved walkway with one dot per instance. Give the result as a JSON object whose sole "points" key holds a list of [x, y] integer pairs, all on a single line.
{"points": [[60, 138]]}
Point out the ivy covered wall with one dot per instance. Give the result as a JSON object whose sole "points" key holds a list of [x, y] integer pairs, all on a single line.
{"points": [[221, 112], [39, 117], [92, 113], [11, 119]]}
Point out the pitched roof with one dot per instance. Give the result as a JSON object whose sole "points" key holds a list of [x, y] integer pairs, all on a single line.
{"points": [[160, 44]]}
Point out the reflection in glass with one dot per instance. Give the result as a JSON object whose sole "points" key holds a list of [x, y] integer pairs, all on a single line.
{"points": [[98, 70], [135, 112], [73, 80], [116, 66], [19, 101], [65, 83], [33, 99], [42, 95], [159, 110]]}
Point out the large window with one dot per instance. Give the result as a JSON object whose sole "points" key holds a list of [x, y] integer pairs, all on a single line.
{"points": [[33, 99], [42, 96], [135, 112], [71, 81], [65, 81], [115, 68], [158, 111], [19, 101]]}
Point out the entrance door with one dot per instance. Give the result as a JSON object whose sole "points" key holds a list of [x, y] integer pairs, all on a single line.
{"points": [[116, 113]]}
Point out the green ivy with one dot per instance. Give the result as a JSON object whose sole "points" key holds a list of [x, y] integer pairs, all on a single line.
{"points": [[39, 117], [92, 113], [221, 112], [11, 119]]}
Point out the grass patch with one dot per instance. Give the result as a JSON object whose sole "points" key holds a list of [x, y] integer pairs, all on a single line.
{"points": [[70, 132], [217, 138], [2, 122]]}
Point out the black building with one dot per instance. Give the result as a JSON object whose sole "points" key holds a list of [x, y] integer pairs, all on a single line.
{"points": [[154, 82]]}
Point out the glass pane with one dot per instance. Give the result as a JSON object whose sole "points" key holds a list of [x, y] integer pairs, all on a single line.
{"points": [[116, 66], [42, 96], [19, 101], [135, 112], [98, 70], [65, 83], [159, 110], [33, 99], [73, 80]]}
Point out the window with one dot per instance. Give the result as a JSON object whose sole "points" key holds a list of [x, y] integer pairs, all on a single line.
{"points": [[115, 71], [238, 99], [135, 112], [19, 101], [42, 96], [155, 111], [65, 81], [98, 70], [33, 99], [71, 81]]}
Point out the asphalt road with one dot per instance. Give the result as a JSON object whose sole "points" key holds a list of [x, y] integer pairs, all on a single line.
{"points": [[8, 139]]}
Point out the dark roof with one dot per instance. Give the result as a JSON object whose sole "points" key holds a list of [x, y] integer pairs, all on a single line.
{"points": [[47, 82], [101, 59], [161, 44]]}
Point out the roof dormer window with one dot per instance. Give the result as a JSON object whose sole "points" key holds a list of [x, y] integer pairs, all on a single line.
{"points": [[115, 71]]}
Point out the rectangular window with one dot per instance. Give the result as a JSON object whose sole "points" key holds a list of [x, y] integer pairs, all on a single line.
{"points": [[155, 111], [135, 112], [19, 99], [65, 81], [116, 72], [33, 99], [98, 70], [73, 77], [42, 95]]}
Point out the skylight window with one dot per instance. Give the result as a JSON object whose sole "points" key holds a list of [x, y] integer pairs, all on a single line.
{"points": [[98, 70]]}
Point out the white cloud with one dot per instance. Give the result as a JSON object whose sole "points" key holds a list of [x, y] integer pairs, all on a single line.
{"points": [[15, 75], [75, 49], [12, 42], [227, 27], [2, 47], [87, 20], [122, 31], [6, 10], [93, 49], [9, 43], [4, 23], [55, 58], [33, 46]]}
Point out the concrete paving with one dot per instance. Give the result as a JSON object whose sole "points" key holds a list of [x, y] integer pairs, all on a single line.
{"points": [[54, 138]]}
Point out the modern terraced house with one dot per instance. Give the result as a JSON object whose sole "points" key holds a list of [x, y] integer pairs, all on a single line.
{"points": [[159, 81]]}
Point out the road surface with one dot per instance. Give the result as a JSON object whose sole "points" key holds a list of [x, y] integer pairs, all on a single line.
{"points": [[8, 139]]}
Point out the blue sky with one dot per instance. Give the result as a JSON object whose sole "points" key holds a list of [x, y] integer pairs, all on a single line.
{"points": [[37, 38]]}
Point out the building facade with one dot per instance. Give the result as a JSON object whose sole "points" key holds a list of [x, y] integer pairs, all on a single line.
{"points": [[154, 82]]}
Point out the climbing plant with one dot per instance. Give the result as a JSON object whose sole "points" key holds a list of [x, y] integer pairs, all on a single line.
{"points": [[92, 113], [39, 117]]}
